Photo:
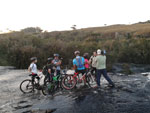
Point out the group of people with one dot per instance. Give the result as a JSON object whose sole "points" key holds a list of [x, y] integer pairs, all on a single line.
{"points": [[97, 62], [51, 66], [80, 64]]}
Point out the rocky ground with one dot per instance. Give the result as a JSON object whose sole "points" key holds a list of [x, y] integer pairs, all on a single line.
{"points": [[131, 95]]}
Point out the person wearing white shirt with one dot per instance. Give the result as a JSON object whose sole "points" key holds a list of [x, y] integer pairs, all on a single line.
{"points": [[33, 69]]}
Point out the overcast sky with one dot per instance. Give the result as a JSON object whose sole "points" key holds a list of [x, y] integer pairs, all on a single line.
{"points": [[54, 15]]}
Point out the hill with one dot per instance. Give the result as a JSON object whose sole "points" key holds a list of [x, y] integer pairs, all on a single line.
{"points": [[123, 43]]}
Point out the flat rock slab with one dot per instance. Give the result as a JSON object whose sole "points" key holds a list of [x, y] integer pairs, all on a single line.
{"points": [[131, 95]]}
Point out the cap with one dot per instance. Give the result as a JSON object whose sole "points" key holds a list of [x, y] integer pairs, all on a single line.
{"points": [[98, 51]]}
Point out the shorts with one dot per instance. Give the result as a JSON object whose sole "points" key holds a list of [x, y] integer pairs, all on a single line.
{"points": [[80, 71]]}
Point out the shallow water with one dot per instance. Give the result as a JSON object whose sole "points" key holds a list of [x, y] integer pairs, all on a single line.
{"points": [[131, 95]]}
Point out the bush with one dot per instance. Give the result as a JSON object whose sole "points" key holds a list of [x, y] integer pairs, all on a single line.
{"points": [[17, 48]]}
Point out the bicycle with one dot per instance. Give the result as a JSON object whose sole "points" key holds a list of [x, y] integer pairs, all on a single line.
{"points": [[70, 81], [92, 77], [27, 86], [55, 82]]}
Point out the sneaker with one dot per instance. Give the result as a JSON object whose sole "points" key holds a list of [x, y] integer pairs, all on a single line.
{"points": [[111, 85]]}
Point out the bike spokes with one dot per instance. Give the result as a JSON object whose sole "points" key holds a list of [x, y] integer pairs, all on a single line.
{"points": [[68, 82], [26, 86]]}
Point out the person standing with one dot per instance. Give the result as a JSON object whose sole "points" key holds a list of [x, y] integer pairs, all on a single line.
{"points": [[33, 69], [57, 63], [78, 63], [49, 68], [86, 65], [101, 68], [93, 63]]}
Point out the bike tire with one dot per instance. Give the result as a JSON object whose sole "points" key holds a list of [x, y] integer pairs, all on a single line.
{"points": [[92, 78], [48, 88], [28, 86], [88, 80], [67, 82]]}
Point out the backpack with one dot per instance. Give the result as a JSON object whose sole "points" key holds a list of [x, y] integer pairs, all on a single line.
{"points": [[45, 70], [80, 64]]}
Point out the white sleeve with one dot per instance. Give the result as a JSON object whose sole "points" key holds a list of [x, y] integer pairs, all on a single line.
{"points": [[90, 59], [31, 66]]}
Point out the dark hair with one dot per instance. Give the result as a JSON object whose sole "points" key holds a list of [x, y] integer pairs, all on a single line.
{"points": [[103, 52], [85, 55]]}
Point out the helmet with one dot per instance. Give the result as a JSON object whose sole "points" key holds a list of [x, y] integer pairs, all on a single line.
{"points": [[85, 55], [77, 52], [56, 55], [33, 58], [49, 59]]}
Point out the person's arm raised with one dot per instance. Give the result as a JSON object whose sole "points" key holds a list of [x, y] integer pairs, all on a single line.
{"points": [[90, 60]]}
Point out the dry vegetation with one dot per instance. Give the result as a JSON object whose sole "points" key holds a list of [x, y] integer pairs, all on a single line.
{"points": [[123, 43]]}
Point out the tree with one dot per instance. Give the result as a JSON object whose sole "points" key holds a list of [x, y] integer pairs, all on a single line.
{"points": [[32, 30], [74, 27]]}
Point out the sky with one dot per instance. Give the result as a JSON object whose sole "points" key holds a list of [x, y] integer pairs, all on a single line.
{"points": [[57, 15]]}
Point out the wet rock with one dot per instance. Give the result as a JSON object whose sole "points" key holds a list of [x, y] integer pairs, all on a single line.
{"points": [[130, 68], [131, 95], [22, 106], [146, 73], [43, 111], [127, 89], [147, 85]]}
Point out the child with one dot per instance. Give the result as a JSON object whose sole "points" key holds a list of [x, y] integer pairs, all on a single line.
{"points": [[33, 69]]}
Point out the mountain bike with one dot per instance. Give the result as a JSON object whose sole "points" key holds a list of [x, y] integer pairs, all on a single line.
{"points": [[71, 80], [27, 86], [92, 76], [53, 84]]}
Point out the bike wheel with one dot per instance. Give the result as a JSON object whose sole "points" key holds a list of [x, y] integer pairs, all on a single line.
{"points": [[26, 86], [69, 82], [87, 78], [60, 83], [48, 88], [92, 78]]}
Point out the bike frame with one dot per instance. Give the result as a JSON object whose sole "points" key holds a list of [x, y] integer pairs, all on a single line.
{"points": [[76, 76]]}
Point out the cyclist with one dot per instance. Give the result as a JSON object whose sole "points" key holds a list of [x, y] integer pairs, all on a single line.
{"points": [[78, 63], [50, 70], [86, 61], [93, 62], [101, 68], [57, 63], [33, 69]]}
